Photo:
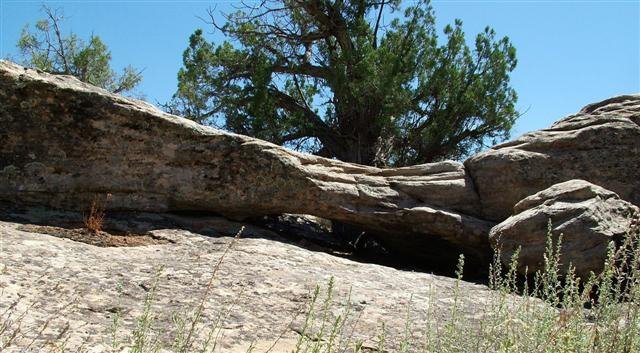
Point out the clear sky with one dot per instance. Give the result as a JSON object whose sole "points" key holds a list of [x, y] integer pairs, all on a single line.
{"points": [[570, 53]]}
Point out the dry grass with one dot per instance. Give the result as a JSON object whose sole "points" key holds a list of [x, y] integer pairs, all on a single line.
{"points": [[94, 221]]}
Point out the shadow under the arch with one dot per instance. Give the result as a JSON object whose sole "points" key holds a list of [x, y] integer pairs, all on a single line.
{"points": [[303, 231]]}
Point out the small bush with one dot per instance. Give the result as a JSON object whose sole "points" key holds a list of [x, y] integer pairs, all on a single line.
{"points": [[95, 219]]}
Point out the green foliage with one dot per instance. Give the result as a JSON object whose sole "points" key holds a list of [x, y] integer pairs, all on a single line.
{"points": [[49, 50], [331, 77]]}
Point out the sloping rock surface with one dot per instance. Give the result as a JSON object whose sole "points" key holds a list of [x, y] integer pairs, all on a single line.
{"points": [[63, 294], [600, 144], [587, 216], [65, 143]]}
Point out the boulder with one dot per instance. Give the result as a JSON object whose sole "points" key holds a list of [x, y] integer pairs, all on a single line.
{"points": [[66, 143], [588, 217], [600, 144]]}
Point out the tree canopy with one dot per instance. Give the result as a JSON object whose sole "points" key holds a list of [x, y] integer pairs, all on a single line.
{"points": [[334, 78], [49, 50]]}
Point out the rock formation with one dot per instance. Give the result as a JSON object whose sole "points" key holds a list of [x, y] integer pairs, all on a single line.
{"points": [[66, 143], [600, 144], [587, 216]]}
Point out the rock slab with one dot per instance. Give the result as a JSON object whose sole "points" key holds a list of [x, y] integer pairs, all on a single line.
{"points": [[65, 143], [62, 294]]}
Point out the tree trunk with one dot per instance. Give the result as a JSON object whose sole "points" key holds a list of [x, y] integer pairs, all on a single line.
{"points": [[355, 141]]}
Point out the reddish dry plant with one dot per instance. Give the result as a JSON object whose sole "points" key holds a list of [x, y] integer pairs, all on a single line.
{"points": [[93, 222]]}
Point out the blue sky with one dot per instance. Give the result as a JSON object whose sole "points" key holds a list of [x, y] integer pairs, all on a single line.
{"points": [[570, 53]]}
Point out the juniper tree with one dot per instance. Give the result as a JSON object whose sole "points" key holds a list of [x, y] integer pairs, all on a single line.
{"points": [[336, 79]]}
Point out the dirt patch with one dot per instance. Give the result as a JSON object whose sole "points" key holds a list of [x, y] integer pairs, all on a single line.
{"points": [[101, 238]]}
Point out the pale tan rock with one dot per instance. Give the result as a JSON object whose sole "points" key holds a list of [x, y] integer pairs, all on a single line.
{"points": [[600, 144], [64, 293], [65, 143], [587, 216]]}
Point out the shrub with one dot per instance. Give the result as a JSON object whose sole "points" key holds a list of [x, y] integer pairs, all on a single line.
{"points": [[95, 219]]}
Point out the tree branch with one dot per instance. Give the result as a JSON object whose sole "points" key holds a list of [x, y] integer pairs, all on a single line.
{"points": [[332, 21], [290, 104], [54, 21], [375, 30], [304, 69]]}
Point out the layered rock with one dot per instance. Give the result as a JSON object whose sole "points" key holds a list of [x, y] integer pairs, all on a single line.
{"points": [[588, 217], [65, 143], [600, 144]]}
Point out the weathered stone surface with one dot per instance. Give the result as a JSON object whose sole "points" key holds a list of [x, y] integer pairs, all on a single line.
{"points": [[72, 291], [588, 217], [65, 142], [600, 144]]}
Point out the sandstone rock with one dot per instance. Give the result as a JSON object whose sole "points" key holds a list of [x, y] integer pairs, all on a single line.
{"points": [[59, 292], [600, 144], [65, 143], [588, 216]]}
